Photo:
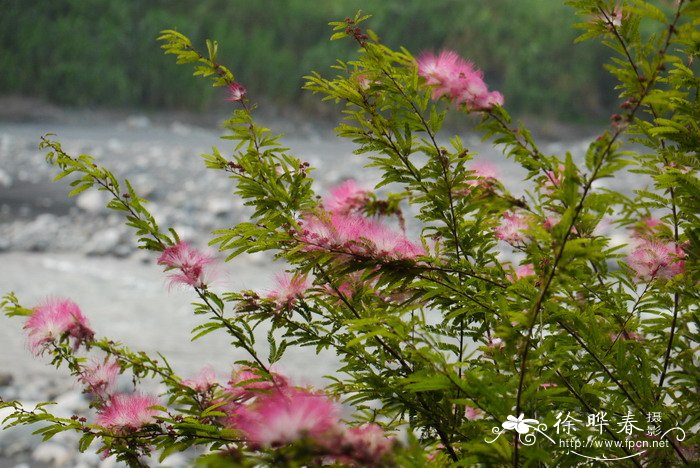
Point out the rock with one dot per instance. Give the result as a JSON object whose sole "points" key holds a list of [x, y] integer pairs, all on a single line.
{"points": [[51, 452], [138, 121], [180, 129], [6, 379], [219, 205], [18, 439], [92, 201], [115, 145], [5, 179], [103, 242], [39, 234], [72, 401], [88, 458]]}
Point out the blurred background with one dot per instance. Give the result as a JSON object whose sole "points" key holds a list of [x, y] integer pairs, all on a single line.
{"points": [[104, 53], [91, 72]]}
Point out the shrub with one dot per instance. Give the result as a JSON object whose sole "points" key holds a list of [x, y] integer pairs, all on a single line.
{"points": [[489, 330]]}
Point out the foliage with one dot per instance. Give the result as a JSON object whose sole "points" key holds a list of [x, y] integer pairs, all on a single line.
{"points": [[509, 318], [92, 52]]}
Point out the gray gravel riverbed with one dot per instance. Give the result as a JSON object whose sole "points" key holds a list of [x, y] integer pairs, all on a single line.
{"points": [[52, 245]]}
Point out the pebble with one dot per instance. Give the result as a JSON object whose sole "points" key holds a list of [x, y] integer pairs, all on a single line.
{"points": [[92, 201], [6, 379], [5, 179], [51, 452]]}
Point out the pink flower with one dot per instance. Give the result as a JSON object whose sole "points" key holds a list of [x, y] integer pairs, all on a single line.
{"points": [[512, 228], [100, 378], [625, 335], [367, 443], [553, 179], [346, 198], [458, 80], [237, 92], [496, 343], [283, 417], [192, 264], [288, 289], [550, 222], [522, 271], [472, 414], [485, 171], [205, 380], [656, 259], [484, 174], [611, 19], [647, 227], [55, 319], [547, 385], [247, 382], [363, 81], [356, 235], [127, 412]]}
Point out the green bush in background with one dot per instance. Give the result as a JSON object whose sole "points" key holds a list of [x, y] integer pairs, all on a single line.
{"points": [[103, 52]]}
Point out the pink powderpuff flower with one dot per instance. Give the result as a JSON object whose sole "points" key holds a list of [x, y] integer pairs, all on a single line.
{"points": [[648, 227], [247, 382], [473, 414], [512, 229], [288, 289], [100, 378], [496, 343], [484, 175], [125, 413], [611, 19], [283, 417], [485, 171], [346, 198], [550, 222], [522, 271], [458, 80], [353, 234], [205, 380], [237, 92], [363, 81], [553, 179], [656, 259], [366, 444], [193, 265], [55, 319], [626, 335]]}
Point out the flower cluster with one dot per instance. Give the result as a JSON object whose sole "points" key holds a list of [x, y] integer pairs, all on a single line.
{"points": [[458, 80], [346, 198], [205, 380], [120, 413], [125, 413], [356, 235], [652, 258], [55, 319], [288, 289], [237, 92], [521, 272], [194, 266], [272, 413], [100, 377], [512, 228]]}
